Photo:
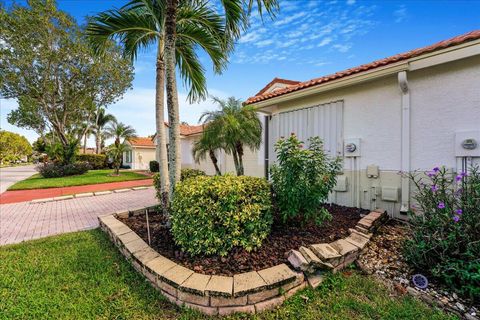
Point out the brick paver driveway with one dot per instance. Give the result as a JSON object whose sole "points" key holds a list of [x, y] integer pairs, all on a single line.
{"points": [[25, 221]]}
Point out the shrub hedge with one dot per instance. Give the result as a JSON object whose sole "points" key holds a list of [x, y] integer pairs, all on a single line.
{"points": [[96, 161], [191, 173], [56, 170], [212, 215], [154, 166]]}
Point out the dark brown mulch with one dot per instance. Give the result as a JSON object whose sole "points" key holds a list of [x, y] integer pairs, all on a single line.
{"points": [[272, 252]]}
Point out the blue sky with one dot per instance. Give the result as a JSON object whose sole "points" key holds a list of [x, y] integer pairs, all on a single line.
{"points": [[308, 39]]}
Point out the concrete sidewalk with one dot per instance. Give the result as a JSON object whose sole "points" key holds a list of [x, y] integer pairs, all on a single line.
{"points": [[25, 221], [28, 195]]}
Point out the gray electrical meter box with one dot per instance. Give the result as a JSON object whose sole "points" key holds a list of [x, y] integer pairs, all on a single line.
{"points": [[467, 143]]}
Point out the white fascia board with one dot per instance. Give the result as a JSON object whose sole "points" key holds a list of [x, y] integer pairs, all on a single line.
{"points": [[459, 52], [336, 84]]}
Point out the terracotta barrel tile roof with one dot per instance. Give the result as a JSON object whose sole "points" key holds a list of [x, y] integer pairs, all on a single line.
{"points": [[142, 142], [473, 35], [187, 130], [277, 80]]}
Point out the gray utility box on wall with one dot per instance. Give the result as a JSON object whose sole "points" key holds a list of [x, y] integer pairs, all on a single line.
{"points": [[390, 194]]}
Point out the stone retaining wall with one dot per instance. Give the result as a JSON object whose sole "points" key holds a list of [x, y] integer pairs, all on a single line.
{"points": [[249, 292]]}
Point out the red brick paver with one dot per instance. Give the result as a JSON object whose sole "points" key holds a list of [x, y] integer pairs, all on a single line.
{"points": [[27, 195], [26, 221]]}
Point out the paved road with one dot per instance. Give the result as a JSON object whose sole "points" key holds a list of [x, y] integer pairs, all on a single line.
{"points": [[10, 175], [25, 221]]}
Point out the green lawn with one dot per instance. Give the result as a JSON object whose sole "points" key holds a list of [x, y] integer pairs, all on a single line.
{"points": [[91, 177], [82, 276]]}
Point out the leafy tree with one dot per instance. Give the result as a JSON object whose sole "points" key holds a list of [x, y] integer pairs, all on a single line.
{"points": [[53, 73], [13, 147], [102, 119], [236, 13], [233, 127], [207, 145]]}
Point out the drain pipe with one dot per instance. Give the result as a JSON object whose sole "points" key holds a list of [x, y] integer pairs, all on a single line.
{"points": [[405, 158]]}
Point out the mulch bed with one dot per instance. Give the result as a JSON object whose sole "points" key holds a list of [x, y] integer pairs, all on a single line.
{"points": [[272, 252]]}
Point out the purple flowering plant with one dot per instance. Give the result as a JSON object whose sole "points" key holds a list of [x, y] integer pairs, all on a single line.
{"points": [[445, 228]]}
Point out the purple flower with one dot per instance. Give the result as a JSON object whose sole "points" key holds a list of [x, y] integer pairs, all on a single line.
{"points": [[464, 174], [456, 219], [431, 174], [436, 169], [441, 205], [459, 212], [458, 178], [434, 188]]}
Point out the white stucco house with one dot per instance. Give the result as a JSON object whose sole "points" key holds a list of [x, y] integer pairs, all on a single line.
{"points": [[411, 111], [142, 151]]}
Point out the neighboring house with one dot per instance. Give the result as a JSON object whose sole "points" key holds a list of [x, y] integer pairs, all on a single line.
{"points": [[143, 150], [415, 110]]}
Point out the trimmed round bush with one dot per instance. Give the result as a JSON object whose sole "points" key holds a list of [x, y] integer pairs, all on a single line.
{"points": [[212, 215], [191, 173], [96, 161], [154, 166], [56, 170]]}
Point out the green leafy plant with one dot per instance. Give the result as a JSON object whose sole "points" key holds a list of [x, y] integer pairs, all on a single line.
{"points": [[445, 241], [191, 173], [96, 161], [57, 170], [212, 215], [302, 178], [154, 166]]}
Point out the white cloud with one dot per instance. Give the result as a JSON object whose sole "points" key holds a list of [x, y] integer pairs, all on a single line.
{"points": [[400, 14], [324, 42], [350, 2], [264, 43], [289, 19], [342, 47], [249, 37]]}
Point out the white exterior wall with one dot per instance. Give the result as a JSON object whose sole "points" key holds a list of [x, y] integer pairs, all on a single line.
{"points": [[444, 99]]}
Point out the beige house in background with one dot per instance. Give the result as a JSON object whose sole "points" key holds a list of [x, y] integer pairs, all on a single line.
{"points": [[143, 151]]}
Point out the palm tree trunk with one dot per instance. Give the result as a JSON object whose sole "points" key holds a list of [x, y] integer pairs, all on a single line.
{"points": [[214, 159], [85, 143], [239, 149], [235, 162], [160, 124], [172, 94], [98, 145]]}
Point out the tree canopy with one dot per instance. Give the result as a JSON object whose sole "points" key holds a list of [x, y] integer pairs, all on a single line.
{"points": [[48, 66], [13, 147]]}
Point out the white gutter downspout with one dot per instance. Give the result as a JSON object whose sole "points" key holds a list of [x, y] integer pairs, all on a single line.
{"points": [[405, 158]]}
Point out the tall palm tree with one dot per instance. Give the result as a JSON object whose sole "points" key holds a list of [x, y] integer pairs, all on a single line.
{"points": [[102, 119], [233, 127], [236, 13], [207, 145], [140, 24], [120, 132]]}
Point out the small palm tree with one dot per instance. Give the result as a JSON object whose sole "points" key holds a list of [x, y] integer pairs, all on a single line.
{"points": [[121, 133], [102, 119], [205, 146], [115, 152], [233, 127]]}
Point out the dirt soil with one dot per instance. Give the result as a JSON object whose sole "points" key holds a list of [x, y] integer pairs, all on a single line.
{"points": [[272, 252]]}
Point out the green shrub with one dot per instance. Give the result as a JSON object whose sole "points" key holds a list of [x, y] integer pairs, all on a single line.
{"points": [[302, 179], [190, 173], [96, 161], [154, 166], [212, 215], [445, 241], [57, 169]]}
